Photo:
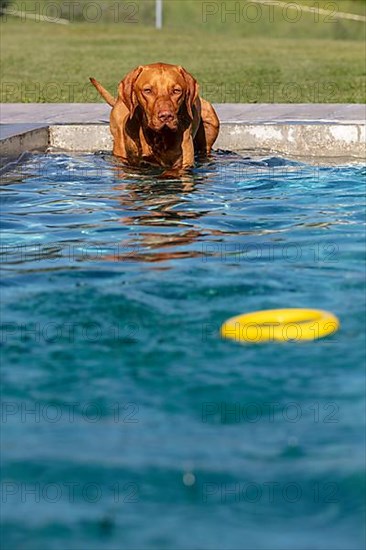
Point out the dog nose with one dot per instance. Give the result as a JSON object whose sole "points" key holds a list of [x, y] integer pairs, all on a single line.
{"points": [[165, 116]]}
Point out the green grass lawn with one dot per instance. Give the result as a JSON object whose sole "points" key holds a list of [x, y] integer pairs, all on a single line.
{"points": [[43, 62]]}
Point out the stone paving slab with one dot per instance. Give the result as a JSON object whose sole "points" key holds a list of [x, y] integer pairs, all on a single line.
{"points": [[71, 113], [14, 145], [12, 130], [50, 113], [317, 113], [303, 130]]}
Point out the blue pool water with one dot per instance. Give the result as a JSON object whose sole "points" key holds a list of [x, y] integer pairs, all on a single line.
{"points": [[126, 421]]}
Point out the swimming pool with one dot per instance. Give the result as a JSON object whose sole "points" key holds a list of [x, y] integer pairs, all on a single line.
{"points": [[126, 421]]}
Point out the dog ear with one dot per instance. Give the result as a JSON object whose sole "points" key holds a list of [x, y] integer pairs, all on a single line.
{"points": [[191, 91], [126, 89]]}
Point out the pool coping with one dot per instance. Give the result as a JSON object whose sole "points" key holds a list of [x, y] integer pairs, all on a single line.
{"points": [[320, 131]]}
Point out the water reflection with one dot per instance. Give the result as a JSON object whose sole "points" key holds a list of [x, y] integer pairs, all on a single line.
{"points": [[161, 203], [86, 209]]}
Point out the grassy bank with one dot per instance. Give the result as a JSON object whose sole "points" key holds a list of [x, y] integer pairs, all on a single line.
{"points": [[44, 62]]}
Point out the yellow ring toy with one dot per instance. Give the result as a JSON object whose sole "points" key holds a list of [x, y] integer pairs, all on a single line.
{"points": [[280, 325]]}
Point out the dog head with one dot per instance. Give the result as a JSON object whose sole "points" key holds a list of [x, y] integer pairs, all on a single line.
{"points": [[161, 90]]}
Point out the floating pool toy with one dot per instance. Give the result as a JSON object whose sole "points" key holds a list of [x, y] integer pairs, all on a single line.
{"points": [[281, 325]]}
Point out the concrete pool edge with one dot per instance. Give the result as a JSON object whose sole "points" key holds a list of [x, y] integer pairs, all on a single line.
{"points": [[305, 131]]}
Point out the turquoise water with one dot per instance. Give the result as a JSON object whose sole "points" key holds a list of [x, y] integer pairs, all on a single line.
{"points": [[126, 421]]}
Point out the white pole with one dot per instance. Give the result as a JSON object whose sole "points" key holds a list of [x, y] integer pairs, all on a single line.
{"points": [[159, 14]]}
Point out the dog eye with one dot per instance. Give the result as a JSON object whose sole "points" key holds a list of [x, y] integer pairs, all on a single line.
{"points": [[147, 90], [177, 91]]}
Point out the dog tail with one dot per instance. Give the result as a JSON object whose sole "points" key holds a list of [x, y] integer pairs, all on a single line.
{"points": [[105, 95]]}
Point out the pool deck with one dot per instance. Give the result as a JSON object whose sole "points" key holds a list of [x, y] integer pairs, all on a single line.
{"points": [[296, 130]]}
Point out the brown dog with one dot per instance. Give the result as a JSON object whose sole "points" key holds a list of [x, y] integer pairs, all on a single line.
{"points": [[159, 118]]}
